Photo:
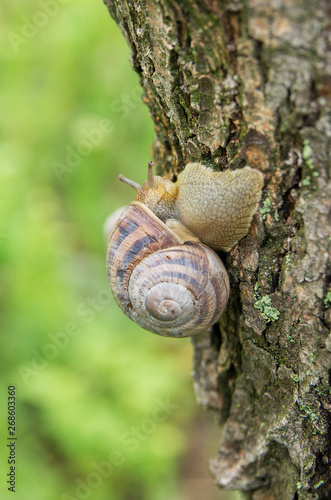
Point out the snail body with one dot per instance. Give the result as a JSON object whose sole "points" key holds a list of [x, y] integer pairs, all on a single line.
{"points": [[218, 206], [162, 270]]}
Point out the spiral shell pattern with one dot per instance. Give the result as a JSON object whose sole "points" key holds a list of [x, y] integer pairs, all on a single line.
{"points": [[167, 288]]}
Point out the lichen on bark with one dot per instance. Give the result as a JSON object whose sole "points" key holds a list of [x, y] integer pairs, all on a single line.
{"points": [[230, 83]]}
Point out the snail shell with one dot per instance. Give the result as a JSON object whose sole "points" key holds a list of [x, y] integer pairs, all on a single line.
{"points": [[168, 286]]}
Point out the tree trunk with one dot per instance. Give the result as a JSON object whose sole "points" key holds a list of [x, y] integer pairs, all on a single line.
{"points": [[248, 82]]}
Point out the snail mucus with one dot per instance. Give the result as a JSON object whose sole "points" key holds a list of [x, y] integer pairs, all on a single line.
{"points": [[162, 268]]}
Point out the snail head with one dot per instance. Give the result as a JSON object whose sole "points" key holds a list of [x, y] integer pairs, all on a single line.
{"points": [[157, 193]]}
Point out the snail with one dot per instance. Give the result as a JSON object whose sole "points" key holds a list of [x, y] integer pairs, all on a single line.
{"points": [[162, 268]]}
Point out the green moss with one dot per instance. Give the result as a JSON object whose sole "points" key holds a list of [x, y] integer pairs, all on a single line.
{"points": [[309, 413], [307, 154], [306, 181], [327, 300], [269, 312], [266, 208]]}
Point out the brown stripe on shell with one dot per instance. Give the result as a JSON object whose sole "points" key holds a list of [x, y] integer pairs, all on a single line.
{"points": [[218, 281], [179, 268], [193, 266], [221, 289], [214, 295], [137, 234]]}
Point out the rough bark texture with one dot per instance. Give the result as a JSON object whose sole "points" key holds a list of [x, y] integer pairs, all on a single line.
{"points": [[234, 82]]}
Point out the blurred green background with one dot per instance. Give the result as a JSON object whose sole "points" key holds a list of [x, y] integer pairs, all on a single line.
{"points": [[104, 409]]}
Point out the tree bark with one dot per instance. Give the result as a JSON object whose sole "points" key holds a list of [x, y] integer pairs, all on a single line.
{"points": [[233, 82]]}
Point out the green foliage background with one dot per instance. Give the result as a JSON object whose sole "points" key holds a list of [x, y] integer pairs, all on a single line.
{"points": [[85, 375]]}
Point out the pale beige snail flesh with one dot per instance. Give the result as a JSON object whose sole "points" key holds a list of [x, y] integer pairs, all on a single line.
{"points": [[162, 270]]}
